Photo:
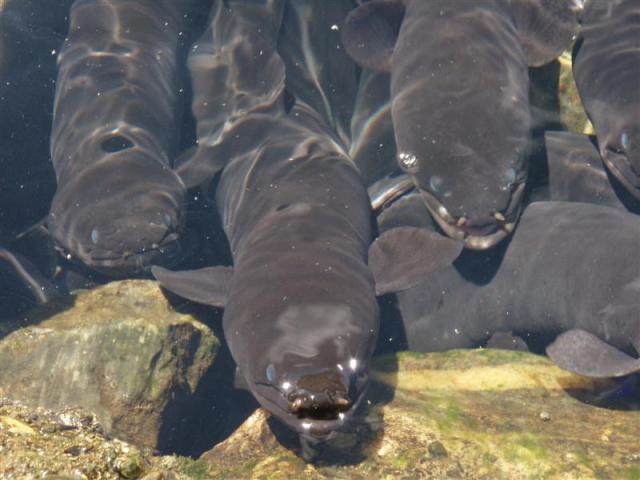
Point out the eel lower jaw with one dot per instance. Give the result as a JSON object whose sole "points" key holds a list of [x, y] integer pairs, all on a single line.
{"points": [[320, 429], [476, 239]]}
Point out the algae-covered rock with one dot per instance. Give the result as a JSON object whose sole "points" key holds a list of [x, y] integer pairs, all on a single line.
{"points": [[70, 444], [555, 102], [473, 414], [572, 114], [119, 351]]}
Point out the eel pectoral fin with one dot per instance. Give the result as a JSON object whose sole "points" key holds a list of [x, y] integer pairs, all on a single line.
{"points": [[404, 256], [239, 381], [208, 285], [197, 165], [370, 31], [582, 352]]}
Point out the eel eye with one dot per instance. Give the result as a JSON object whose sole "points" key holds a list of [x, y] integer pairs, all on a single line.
{"points": [[271, 373], [624, 140]]}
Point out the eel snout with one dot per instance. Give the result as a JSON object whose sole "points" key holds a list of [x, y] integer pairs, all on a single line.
{"points": [[321, 396]]}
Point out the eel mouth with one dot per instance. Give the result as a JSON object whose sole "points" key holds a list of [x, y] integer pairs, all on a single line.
{"points": [[316, 414], [319, 423], [115, 264], [476, 237], [323, 406]]}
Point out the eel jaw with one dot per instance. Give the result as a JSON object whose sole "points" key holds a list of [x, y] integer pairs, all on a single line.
{"points": [[455, 228]]}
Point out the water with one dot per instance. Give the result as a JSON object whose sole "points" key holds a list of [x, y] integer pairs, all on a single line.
{"points": [[126, 96]]}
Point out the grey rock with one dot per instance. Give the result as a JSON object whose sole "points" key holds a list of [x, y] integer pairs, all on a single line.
{"points": [[119, 351], [31, 448], [471, 414]]}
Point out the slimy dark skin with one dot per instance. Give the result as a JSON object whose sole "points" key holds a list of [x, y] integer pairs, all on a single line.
{"points": [[467, 156], [305, 338], [118, 205], [462, 137], [373, 145], [577, 174], [606, 67], [319, 73], [459, 104], [567, 271], [300, 310]]}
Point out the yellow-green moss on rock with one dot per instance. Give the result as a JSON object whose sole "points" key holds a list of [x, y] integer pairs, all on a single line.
{"points": [[70, 444], [572, 113], [118, 350], [472, 414]]}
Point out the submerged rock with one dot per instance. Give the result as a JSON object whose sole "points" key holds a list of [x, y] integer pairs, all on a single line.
{"points": [[473, 414], [119, 351], [572, 114], [554, 99], [70, 444]]}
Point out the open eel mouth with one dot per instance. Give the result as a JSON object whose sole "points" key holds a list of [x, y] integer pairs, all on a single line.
{"points": [[309, 410], [317, 398], [476, 237], [316, 420]]}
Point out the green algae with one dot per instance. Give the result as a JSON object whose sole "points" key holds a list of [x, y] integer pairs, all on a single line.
{"points": [[523, 425], [526, 448], [194, 469], [451, 359], [453, 412], [121, 352], [631, 473], [572, 113], [131, 465]]}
